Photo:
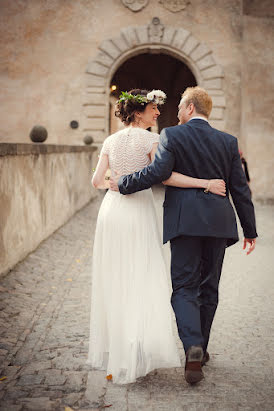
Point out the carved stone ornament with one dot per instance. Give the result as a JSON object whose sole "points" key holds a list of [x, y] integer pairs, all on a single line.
{"points": [[135, 5], [155, 30], [174, 5]]}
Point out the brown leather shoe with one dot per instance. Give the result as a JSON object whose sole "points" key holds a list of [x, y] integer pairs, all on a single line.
{"points": [[205, 359], [193, 367]]}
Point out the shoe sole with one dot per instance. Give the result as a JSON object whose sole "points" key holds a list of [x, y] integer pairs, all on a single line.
{"points": [[194, 378]]}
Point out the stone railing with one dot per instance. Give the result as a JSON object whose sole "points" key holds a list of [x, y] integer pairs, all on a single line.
{"points": [[41, 187]]}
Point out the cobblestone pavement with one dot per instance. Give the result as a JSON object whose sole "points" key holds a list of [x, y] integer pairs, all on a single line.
{"points": [[44, 328]]}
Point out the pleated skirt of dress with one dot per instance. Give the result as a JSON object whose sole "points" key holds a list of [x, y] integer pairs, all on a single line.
{"points": [[131, 331]]}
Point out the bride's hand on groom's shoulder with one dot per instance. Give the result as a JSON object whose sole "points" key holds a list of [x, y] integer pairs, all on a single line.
{"points": [[218, 187]]}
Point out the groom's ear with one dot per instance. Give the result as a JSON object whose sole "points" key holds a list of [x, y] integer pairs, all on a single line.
{"points": [[191, 108]]}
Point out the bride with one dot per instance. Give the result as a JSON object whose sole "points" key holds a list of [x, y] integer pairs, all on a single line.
{"points": [[131, 330]]}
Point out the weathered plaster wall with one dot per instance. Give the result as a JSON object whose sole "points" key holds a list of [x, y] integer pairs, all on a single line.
{"points": [[41, 188], [46, 46], [257, 102]]}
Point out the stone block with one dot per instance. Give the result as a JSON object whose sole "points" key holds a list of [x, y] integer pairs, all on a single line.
{"points": [[121, 43], [37, 366], [10, 406], [219, 124], [189, 45], [180, 38], [30, 380], [99, 90], [130, 36], [215, 83], [218, 101], [6, 346], [168, 35], [7, 149], [94, 98], [94, 81], [142, 34], [72, 398], [104, 59], [199, 52], [215, 92], [217, 113], [95, 123], [117, 395], [14, 393], [96, 384], [3, 352], [75, 381], [212, 72], [11, 370], [97, 68], [95, 111], [108, 47], [34, 404], [53, 377], [205, 62], [47, 391]]}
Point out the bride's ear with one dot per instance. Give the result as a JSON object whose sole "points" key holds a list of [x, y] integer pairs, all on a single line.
{"points": [[137, 116]]}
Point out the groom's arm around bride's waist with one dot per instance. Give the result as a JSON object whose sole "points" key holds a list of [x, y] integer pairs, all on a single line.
{"points": [[159, 170]]}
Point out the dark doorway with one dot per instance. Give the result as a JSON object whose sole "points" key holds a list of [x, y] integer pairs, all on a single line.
{"points": [[156, 71]]}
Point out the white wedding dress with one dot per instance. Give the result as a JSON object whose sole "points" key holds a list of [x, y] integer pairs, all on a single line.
{"points": [[131, 330]]}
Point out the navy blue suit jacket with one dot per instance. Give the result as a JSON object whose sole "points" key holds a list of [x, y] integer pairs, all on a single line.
{"points": [[198, 150]]}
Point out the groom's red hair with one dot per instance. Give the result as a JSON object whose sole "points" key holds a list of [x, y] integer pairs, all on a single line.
{"points": [[199, 98]]}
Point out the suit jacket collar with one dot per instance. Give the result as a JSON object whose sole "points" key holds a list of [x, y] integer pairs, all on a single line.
{"points": [[198, 121], [198, 118]]}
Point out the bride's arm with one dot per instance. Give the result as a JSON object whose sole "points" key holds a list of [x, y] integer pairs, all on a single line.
{"points": [[216, 186], [98, 179]]}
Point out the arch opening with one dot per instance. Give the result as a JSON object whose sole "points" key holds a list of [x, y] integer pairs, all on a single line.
{"points": [[174, 43], [152, 71]]}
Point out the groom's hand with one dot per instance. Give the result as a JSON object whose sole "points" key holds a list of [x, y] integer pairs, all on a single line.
{"points": [[113, 182], [251, 244]]}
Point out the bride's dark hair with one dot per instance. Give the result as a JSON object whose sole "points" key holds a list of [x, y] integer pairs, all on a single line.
{"points": [[126, 109]]}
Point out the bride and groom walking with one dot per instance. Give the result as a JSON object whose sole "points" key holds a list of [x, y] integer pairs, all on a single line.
{"points": [[131, 320]]}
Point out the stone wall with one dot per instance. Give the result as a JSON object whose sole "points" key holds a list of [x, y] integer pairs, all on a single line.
{"points": [[257, 98], [41, 187], [48, 48]]}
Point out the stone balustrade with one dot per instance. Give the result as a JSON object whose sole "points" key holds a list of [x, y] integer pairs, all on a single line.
{"points": [[41, 187]]}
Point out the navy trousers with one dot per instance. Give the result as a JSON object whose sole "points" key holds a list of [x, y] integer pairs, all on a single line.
{"points": [[196, 265]]}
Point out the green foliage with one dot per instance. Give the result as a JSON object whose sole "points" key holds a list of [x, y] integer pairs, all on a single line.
{"points": [[124, 96]]}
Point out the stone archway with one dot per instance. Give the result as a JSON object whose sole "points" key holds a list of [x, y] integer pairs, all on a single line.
{"points": [[151, 38]]}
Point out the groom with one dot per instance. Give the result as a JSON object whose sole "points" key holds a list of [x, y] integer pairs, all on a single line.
{"points": [[198, 224]]}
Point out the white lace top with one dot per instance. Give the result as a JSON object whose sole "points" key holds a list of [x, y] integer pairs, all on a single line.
{"points": [[128, 149]]}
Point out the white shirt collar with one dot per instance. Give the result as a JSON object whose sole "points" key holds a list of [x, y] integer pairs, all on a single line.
{"points": [[198, 118]]}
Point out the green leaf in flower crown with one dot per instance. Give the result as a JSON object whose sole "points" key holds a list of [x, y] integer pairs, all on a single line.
{"points": [[124, 96]]}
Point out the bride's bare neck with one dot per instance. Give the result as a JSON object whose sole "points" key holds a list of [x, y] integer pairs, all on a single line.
{"points": [[138, 125]]}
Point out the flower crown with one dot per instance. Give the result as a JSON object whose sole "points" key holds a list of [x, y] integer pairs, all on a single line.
{"points": [[154, 96]]}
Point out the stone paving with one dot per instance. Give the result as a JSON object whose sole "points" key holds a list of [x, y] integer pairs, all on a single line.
{"points": [[44, 329]]}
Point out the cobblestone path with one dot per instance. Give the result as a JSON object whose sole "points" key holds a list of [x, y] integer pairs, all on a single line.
{"points": [[44, 328]]}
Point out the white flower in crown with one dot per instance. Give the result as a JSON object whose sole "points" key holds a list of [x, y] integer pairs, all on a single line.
{"points": [[156, 96]]}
